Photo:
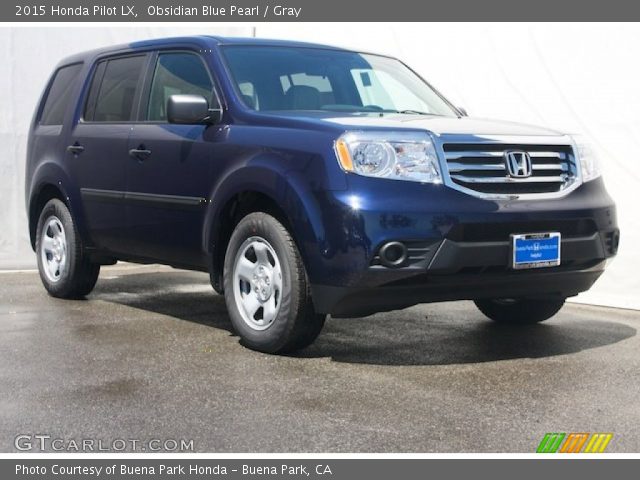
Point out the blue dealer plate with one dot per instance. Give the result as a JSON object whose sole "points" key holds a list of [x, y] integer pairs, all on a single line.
{"points": [[535, 250]]}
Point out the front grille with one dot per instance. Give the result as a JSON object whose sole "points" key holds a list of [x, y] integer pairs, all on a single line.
{"points": [[481, 168]]}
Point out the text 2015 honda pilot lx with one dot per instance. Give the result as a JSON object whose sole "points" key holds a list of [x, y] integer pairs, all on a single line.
{"points": [[307, 180]]}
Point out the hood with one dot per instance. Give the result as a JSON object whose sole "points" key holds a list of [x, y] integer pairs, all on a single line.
{"points": [[474, 126], [435, 124]]}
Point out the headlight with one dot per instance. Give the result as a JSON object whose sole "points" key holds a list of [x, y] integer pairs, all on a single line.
{"points": [[395, 155], [588, 160]]}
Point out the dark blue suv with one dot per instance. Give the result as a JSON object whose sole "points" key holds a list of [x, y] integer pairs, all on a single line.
{"points": [[307, 180]]}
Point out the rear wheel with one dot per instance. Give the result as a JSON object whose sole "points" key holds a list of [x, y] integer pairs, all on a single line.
{"points": [[266, 288], [65, 270], [520, 310]]}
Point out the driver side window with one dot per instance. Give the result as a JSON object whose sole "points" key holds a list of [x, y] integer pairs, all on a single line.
{"points": [[178, 73]]}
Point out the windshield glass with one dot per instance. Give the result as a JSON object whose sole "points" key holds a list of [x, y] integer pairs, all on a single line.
{"points": [[300, 78]]}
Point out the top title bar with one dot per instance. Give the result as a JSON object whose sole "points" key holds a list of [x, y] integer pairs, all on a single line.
{"points": [[315, 10]]}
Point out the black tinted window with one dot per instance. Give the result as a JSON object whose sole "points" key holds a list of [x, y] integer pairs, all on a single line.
{"points": [[177, 73], [116, 90], [60, 95]]}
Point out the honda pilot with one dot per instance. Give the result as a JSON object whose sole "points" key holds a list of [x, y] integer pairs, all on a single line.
{"points": [[307, 180]]}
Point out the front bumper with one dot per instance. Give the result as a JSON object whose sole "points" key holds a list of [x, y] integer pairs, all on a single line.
{"points": [[359, 301], [459, 246]]}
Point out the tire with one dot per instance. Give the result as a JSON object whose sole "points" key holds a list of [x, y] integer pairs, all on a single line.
{"points": [[58, 242], [266, 288], [520, 311]]}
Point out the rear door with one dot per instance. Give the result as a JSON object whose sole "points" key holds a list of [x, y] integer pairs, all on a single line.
{"points": [[170, 178], [98, 144]]}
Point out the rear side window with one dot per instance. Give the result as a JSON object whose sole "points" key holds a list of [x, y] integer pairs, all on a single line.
{"points": [[113, 90], [177, 73], [59, 95]]}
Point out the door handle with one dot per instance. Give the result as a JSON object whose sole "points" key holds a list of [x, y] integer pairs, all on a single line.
{"points": [[76, 149], [140, 153]]}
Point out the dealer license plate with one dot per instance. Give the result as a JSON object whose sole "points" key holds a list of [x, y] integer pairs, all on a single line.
{"points": [[535, 250]]}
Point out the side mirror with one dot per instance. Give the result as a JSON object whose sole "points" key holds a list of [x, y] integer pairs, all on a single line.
{"points": [[190, 110], [463, 111]]}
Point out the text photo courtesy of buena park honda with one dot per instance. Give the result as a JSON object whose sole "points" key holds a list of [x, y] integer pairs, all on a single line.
{"points": [[271, 238]]}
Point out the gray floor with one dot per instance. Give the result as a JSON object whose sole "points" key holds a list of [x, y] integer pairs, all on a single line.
{"points": [[150, 354]]}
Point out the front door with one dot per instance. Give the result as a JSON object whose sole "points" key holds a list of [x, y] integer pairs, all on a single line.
{"points": [[172, 167]]}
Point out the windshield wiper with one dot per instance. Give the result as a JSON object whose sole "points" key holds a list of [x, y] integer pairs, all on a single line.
{"points": [[417, 112]]}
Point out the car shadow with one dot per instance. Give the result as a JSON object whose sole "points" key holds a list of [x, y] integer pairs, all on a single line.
{"points": [[178, 294], [465, 339], [453, 333]]}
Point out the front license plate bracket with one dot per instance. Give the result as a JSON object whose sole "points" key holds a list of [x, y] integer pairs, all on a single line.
{"points": [[535, 250]]}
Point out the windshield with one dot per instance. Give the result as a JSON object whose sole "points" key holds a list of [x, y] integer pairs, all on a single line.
{"points": [[301, 78]]}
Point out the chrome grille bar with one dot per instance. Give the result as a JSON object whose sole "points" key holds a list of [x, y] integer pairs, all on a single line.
{"points": [[499, 167], [480, 169], [500, 154], [505, 179], [459, 167]]}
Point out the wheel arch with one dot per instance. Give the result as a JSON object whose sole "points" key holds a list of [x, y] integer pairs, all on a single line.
{"points": [[259, 189], [51, 181]]}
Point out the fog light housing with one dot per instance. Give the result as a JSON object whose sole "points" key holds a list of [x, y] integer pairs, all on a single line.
{"points": [[393, 254]]}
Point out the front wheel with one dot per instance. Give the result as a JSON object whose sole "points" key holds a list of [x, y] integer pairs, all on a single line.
{"points": [[520, 310], [266, 288]]}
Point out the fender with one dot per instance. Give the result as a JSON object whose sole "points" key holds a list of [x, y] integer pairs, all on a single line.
{"points": [[52, 173], [289, 189]]}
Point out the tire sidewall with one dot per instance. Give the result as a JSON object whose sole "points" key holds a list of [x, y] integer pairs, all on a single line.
{"points": [[275, 336], [55, 208]]}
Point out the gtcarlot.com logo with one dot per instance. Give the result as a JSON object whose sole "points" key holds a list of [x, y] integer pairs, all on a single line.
{"points": [[574, 443], [48, 443]]}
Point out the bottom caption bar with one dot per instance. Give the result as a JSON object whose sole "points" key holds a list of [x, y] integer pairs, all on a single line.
{"points": [[334, 469]]}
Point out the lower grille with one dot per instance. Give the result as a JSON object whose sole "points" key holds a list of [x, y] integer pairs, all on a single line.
{"points": [[482, 168], [500, 231]]}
